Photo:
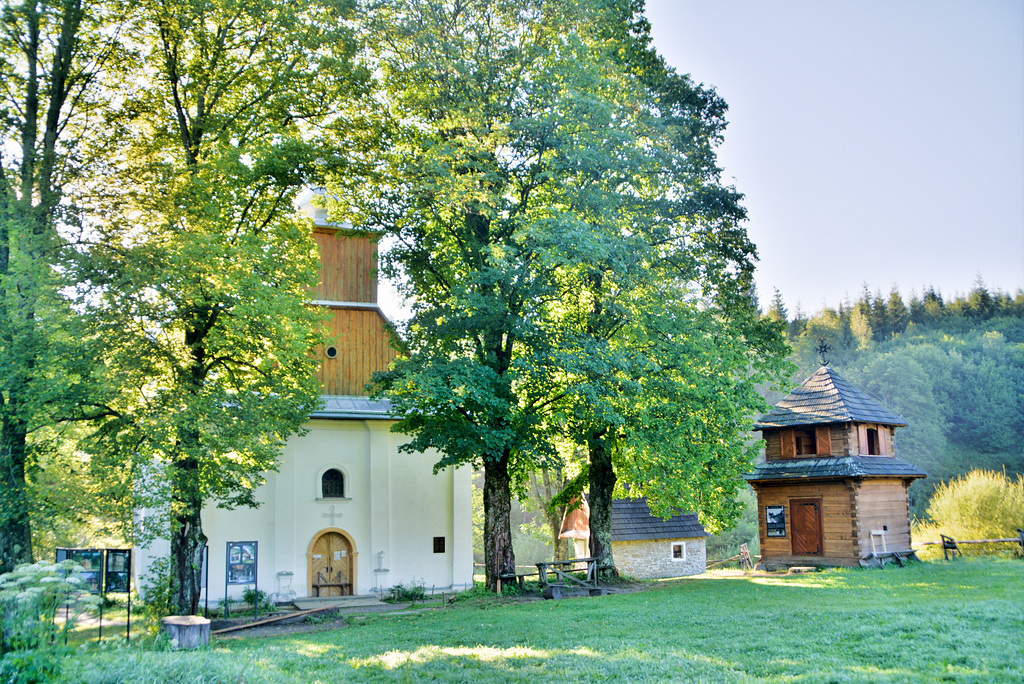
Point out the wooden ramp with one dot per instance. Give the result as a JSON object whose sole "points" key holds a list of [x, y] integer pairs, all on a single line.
{"points": [[312, 606]]}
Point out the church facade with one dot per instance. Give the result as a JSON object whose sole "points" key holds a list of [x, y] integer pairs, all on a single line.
{"points": [[347, 513]]}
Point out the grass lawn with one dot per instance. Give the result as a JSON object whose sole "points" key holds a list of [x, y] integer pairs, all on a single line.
{"points": [[961, 621]]}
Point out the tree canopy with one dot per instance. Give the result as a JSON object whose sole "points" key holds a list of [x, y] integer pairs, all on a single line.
{"points": [[567, 247]]}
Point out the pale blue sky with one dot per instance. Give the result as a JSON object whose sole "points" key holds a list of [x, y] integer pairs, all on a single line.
{"points": [[878, 142]]}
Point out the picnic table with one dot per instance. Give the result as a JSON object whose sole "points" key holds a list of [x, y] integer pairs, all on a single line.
{"points": [[562, 579]]}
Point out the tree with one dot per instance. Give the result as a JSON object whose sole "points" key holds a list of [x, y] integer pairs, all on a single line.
{"points": [[470, 186], [50, 55], [199, 277], [777, 311], [539, 184]]}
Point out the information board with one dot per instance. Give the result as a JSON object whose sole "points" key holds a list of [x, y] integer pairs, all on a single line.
{"points": [[241, 562]]}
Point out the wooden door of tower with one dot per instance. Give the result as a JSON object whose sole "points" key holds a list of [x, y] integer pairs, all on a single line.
{"points": [[330, 566], [807, 527]]}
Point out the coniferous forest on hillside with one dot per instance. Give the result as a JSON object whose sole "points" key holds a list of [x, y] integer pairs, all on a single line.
{"points": [[954, 368]]}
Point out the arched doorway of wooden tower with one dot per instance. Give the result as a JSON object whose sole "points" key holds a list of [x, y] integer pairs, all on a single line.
{"points": [[332, 564]]}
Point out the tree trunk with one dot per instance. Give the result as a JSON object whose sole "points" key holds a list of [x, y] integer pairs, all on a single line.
{"points": [[602, 486], [553, 484], [15, 526], [499, 558], [187, 541]]}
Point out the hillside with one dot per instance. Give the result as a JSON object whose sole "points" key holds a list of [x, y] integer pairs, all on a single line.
{"points": [[954, 369]]}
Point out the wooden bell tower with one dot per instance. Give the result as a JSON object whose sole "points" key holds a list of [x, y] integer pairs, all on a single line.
{"points": [[360, 336]]}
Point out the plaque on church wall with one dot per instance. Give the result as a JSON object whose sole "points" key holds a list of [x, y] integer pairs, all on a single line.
{"points": [[241, 562]]}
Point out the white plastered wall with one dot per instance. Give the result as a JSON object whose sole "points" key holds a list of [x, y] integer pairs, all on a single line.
{"points": [[393, 508]]}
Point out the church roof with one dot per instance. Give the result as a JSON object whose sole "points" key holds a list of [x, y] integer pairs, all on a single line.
{"points": [[833, 467], [632, 520], [576, 522], [827, 397], [361, 408]]}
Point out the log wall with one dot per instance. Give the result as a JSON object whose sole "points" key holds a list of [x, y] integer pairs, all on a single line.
{"points": [[884, 504], [840, 545]]}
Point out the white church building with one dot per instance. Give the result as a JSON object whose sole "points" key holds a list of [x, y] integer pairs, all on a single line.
{"points": [[347, 513]]}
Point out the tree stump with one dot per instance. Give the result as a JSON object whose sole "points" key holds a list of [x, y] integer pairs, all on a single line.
{"points": [[187, 631], [553, 592]]}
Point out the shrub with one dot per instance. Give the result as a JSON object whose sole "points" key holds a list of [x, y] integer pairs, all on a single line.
{"points": [[257, 598], [32, 596], [727, 543], [401, 593], [156, 593], [983, 504]]}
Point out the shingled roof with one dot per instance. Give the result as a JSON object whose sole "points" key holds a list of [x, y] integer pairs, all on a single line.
{"points": [[632, 520], [832, 467], [827, 397]]}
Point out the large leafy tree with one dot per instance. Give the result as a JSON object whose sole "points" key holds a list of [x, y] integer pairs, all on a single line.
{"points": [[50, 55], [670, 348], [556, 210], [200, 273]]}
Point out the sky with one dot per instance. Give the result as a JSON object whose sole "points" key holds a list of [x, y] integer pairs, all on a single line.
{"points": [[877, 143]]}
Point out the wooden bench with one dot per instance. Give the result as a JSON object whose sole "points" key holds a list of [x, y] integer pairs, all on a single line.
{"points": [[517, 578], [324, 582], [882, 557]]}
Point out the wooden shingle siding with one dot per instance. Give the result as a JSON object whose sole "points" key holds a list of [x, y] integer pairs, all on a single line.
{"points": [[348, 270], [824, 398], [364, 347]]}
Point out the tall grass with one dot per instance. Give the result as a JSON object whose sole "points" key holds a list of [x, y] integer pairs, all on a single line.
{"points": [[983, 504]]}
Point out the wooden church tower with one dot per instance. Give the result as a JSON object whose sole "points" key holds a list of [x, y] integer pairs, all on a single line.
{"points": [[831, 491], [361, 341]]}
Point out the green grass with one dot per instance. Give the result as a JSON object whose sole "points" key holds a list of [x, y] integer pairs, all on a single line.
{"points": [[961, 621]]}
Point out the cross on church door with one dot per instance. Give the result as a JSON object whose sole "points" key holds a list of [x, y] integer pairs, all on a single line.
{"points": [[330, 570]]}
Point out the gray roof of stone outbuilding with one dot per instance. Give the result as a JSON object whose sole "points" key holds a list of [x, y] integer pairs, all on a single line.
{"points": [[361, 408], [834, 467], [827, 397], [632, 521]]}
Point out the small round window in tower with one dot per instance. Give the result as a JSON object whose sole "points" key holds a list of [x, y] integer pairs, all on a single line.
{"points": [[332, 352]]}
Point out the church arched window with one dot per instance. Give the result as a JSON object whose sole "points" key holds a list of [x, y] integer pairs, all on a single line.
{"points": [[333, 484]]}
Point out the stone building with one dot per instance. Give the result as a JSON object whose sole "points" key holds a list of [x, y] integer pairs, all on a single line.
{"points": [[645, 546]]}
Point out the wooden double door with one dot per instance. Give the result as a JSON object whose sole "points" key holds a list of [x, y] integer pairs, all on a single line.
{"points": [[807, 527], [330, 565]]}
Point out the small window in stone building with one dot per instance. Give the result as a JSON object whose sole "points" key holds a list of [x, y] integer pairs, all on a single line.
{"points": [[438, 544], [679, 551], [333, 484]]}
